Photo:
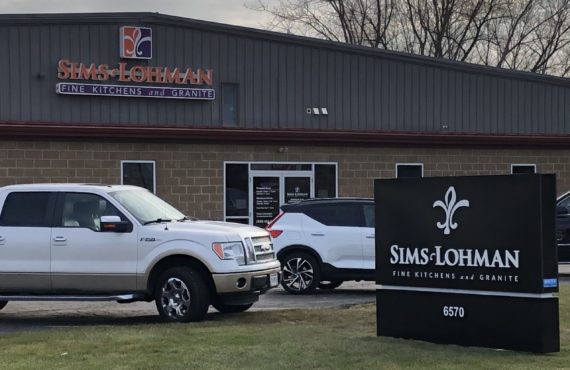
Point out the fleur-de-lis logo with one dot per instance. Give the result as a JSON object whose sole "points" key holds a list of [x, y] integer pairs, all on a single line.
{"points": [[449, 207]]}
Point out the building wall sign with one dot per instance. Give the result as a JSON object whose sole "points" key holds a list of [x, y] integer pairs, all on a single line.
{"points": [[136, 42], [134, 91], [468, 260]]}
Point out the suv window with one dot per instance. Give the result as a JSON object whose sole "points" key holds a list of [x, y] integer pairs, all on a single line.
{"points": [[30, 209], [337, 214], [369, 215], [565, 202], [85, 210]]}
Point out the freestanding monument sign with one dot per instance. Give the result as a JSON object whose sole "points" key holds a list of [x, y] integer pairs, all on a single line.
{"points": [[468, 260]]}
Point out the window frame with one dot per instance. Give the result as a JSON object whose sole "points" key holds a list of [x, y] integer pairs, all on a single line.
{"points": [[513, 165], [397, 165], [141, 161]]}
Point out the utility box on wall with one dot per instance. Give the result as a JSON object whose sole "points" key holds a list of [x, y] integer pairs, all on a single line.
{"points": [[468, 260]]}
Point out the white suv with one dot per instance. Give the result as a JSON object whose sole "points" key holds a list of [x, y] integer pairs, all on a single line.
{"points": [[323, 242]]}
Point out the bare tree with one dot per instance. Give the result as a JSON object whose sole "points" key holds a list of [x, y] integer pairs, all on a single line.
{"points": [[532, 35], [358, 22]]}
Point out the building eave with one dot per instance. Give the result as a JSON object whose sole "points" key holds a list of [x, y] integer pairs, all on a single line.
{"points": [[235, 135]]}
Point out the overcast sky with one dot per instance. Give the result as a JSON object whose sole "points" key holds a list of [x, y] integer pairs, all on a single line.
{"points": [[222, 11]]}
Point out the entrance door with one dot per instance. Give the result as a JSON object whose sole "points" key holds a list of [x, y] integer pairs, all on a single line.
{"points": [[297, 189], [266, 199], [270, 190]]}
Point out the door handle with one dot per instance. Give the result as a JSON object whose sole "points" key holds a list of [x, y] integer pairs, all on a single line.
{"points": [[370, 236], [317, 234], [59, 239], [2, 240]]}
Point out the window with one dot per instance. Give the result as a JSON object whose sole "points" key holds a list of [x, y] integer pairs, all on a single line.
{"points": [[32, 209], [523, 168], [325, 181], [229, 104], [237, 194], [337, 214], [369, 215], [85, 210], [409, 170], [139, 173], [564, 203]]}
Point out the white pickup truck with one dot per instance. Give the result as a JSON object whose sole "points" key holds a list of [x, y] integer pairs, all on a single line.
{"points": [[122, 243]]}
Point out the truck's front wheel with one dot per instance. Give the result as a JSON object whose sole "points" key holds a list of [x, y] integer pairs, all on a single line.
{"points": [[3, 304], [181, 295]]}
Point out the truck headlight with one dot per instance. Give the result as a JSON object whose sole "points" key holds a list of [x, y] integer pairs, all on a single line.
{"points": [[230, 251]]}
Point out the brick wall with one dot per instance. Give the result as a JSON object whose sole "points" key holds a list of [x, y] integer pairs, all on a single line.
{"points": [[191, 175]]}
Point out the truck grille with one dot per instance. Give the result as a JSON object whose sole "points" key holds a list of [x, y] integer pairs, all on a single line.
{"points": [[263, 248]]}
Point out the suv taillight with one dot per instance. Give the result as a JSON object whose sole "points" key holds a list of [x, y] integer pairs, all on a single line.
{"points": [[274, 233]]}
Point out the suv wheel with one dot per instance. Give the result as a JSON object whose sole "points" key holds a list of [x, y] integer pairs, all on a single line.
{"points": [[330, 284], [234, 308], [181, 295], [300, 273], [3, 304]]}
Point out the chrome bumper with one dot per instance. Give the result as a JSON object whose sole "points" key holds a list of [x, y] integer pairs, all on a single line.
{"points": [[246, 282]]}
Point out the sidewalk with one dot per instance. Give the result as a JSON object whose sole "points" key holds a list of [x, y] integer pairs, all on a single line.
{"points": [[564, 269]]}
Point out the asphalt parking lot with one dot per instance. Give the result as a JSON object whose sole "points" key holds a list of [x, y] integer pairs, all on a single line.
{"points": [[23, 316]]}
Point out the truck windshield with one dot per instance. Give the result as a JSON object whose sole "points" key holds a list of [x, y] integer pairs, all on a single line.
{"points": [[145, 206]]}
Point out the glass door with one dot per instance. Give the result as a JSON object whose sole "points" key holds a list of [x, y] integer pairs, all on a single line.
{"points": [[266, 199], [270, 190], [296, 189]]}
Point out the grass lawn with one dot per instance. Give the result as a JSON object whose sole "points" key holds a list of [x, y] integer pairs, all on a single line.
{"points": [[289, 339]]}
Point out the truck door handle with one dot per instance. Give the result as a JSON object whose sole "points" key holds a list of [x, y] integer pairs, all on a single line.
{"points": [[317, 234], [1, 239], [370, 236], [59, 239]]}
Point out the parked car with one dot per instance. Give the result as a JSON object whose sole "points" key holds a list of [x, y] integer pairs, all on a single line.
{"points": [[122, 243], [563, 227], [324, 242]]}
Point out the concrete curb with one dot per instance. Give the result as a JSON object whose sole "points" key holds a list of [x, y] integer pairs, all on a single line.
{"points": [[564, 269]]}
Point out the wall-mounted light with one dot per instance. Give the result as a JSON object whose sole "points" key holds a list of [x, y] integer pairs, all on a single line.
{"points": [[283, 149], [317, 111]]}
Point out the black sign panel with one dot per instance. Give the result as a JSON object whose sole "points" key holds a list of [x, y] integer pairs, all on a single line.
{"points": [[297, 189], [265, 200], [465, 246], [482, 233]]}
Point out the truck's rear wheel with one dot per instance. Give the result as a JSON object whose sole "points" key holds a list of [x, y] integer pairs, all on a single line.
{"points": [[181, 295], [231, 308], [3, 304]]}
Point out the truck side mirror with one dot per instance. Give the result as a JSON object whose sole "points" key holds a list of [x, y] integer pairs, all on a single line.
{"points": [[114, 224]]}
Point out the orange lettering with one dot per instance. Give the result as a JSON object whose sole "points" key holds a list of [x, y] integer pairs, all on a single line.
{"points": [[87, 73], [171, 77], [123, 73], [103, 72], [206, 76], [63, 69], [189, 77]]}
